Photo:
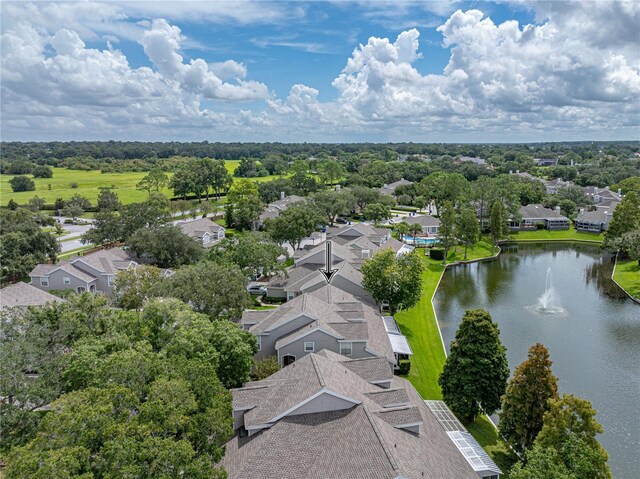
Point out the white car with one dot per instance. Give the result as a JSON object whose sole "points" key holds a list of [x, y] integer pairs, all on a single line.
{"points": [[256, 289]]}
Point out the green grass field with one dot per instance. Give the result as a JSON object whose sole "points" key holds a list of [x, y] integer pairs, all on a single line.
{"points": [[89, 183], [420, 326], [627, 275], [562, 235]]}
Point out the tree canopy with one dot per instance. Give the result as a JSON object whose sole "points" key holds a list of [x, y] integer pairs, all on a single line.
{"points": [[475, 373], [397, 280]]}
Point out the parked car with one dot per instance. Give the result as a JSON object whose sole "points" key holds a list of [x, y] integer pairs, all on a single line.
{"points": [[256, 289], [341, 221]]}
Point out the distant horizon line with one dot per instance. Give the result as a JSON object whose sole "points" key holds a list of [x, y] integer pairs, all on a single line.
{"points": [[329, 142]]}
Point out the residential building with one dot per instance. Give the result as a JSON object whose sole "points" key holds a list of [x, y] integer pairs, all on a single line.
{"points": [[307, 278], [23, 295], [203, 230], [551, 186], [535, 214], [274, 209], [326, 318], [602, 196], [329, 416], [390, 189], [545, 161], [469, 159], [595, 221], [430, 224], [92, 272]]}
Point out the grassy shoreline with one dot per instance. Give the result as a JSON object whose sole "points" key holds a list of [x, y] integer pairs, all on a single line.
{"points": [[420, 325], [626, 274]]}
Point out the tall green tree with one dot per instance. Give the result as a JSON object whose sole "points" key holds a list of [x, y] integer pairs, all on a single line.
{"points": [[294, 224], [331, 171], [23, 244], [210, 288], [244, 205], [468, 228], [155, 180], [626, 218], [397, 280], [166, 246], [448, 230], [475, 373], [567, 444], [333, 203], [576, 459], [527, 399], [498, 223], [377, 212], [108, 200], [255, 254], [220, 179], [133, 287], [107, 228]]}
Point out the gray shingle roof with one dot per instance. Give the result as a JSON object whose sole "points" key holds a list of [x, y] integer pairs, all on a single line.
{"points": [[537, 211], [23, 295], [360, 441], [197, 228], [423, 220], [108, 261]]}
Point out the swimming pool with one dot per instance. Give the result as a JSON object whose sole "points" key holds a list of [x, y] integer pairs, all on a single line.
{"points": [[420, 241]]}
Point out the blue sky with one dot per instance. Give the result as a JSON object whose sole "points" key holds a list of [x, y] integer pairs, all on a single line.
{"points": [[321, 71]]}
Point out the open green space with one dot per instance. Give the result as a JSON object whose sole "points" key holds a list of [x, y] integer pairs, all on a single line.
{"points": [[627, 275], [560, 235], [419, 324], [89, 182]]}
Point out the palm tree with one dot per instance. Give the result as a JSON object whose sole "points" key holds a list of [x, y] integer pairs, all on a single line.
{"points": [[402, 229], [415, 230]]}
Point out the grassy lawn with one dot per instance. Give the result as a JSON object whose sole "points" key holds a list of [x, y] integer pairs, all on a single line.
{"points": [[75, 252], [627, 275], [88, 184], [420, 326], [562, 235]]}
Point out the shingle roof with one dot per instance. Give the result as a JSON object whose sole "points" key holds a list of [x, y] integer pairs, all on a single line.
{"points": [[361, 441], [600, 215], [423, 220], [535, 211], [23, 294], [197, 228], [107, 261]]}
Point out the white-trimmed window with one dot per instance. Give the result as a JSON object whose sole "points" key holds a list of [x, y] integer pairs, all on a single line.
{"points": [[44, 281], [346, 349], [110, 280], [66, 280], [259, 342], [309, 347]]}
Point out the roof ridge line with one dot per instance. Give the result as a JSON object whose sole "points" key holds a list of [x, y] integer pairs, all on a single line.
{"points": [[316, 367], [385, 448]]}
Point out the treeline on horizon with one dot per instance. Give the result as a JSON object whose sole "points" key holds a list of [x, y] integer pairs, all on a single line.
{"points": [[129, 150]]}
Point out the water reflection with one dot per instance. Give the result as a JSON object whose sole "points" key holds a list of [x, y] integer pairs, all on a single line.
{"points": [[599, 273], [595, 343]]}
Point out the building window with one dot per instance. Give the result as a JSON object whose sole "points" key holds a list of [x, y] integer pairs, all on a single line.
{"points": [[259, 342], [346, 349], [44, 281], [309, 347], [110, 280], [66, 280]]}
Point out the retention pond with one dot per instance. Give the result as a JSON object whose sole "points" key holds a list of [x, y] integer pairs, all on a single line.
{"points": [[561, 295]]}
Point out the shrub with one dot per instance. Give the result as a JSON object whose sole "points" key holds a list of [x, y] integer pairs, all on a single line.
{"points": [[271, 300], [540, 226], [437, 254], [263, 368], [73, 185], [42, 171], [404, 366], [22, 183]]}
